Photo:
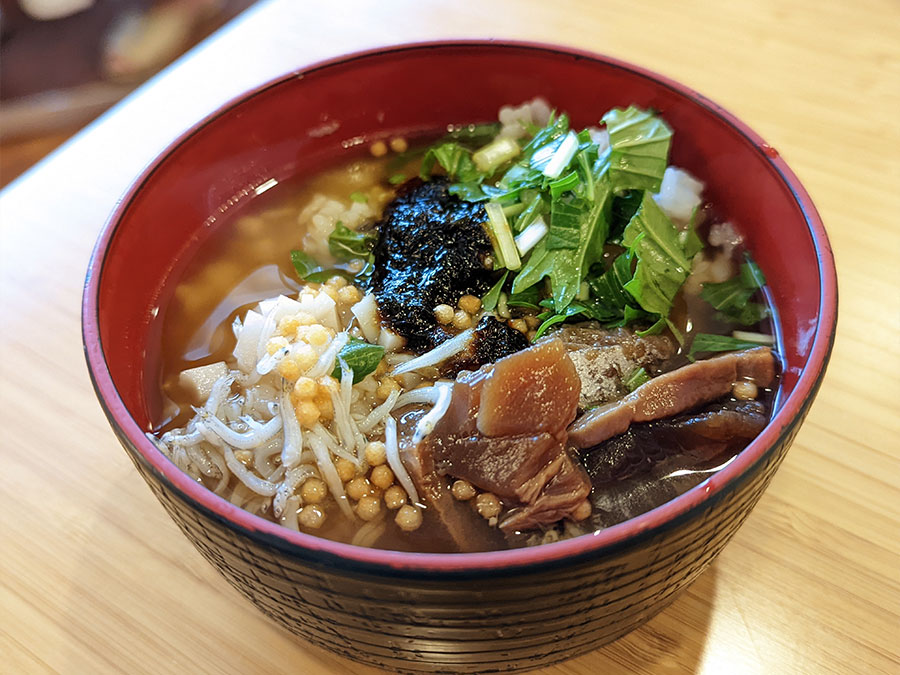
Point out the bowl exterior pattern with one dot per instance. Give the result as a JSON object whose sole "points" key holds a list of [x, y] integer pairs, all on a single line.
{"points": [[504, 622]]}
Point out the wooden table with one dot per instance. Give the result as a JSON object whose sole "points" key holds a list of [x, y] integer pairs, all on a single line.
{"points": [[94, 577]]}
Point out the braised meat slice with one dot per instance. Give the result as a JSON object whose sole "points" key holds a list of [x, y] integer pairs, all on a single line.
{"points": [[432, 249], [455, 521], [674, 392], [653, 462], [604, 358], [505, 432], [555, 500]]}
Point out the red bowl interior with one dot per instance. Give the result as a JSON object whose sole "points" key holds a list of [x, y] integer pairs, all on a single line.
{"points": [[317, 117]]}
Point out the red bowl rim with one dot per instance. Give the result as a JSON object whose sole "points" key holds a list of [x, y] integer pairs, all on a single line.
{"points": [[591, 545]]}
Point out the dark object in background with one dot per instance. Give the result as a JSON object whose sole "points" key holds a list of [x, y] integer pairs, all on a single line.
{"points": [[58, 74]]}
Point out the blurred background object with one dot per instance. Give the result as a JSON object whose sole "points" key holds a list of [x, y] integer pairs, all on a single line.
{"points": [[63, 62]]}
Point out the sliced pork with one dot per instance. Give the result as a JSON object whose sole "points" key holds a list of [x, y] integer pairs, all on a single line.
{"points": [[673, 393]]}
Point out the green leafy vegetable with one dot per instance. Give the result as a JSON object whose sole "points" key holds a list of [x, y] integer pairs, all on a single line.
{"points": [[727, 294], [586, 198], [635, 379], [732, 297], [565, 226], [309, 270], [361, 357], [639, 142], [326, 274], [573, 309], [548, 136], [469, 192], [397, 178], [492, 297], [346, 244], [454, 159], [304, 264], [517, 179], [611, 300], [707, 342], [529, 298], [568, 182], [623, 209], [751, 275], [566, 267], [662, 265]]}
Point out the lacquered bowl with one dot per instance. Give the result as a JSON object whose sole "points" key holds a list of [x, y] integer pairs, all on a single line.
{"points": [[499, 611]]}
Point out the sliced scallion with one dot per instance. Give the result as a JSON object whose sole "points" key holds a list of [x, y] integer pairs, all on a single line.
{"points": [[501, 235], [562, 157], [494, 154], [514, 209], [531, 235]]}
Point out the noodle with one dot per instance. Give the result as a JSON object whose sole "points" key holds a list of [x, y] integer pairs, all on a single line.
{"points": [[393, 458]]}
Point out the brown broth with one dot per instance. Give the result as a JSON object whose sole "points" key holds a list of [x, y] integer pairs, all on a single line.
{"points": [[247, 260]]}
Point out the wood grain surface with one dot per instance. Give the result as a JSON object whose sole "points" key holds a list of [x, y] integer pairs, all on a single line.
{"points": [[94, 577]]}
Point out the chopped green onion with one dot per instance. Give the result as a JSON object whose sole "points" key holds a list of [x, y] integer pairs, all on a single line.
{"points": [[358, 197], [531, 235], [532, 211], [562, 157], [588, 176], [503, 306], [397, 178], [494, 154], [501, 235], [514, 209]]}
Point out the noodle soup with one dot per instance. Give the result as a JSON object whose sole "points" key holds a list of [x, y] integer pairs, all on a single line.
{"points": [[461, 361]]}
